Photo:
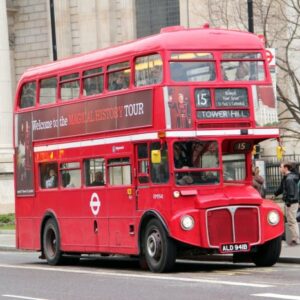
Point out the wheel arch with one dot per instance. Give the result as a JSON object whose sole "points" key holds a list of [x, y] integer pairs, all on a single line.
{"points": [[48, 215], [147, 216]]}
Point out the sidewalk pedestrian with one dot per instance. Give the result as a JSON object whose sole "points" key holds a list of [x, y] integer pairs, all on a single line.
{"points": [[258, 181], [290, 195]]}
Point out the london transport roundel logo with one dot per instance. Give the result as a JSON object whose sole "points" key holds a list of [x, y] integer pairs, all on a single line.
{"points": [[95, 204]]}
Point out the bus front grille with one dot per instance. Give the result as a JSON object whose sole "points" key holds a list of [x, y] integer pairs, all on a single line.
{"points": [[233, 224]]}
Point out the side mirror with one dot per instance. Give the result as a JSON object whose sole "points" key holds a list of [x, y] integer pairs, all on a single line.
{"points": [[155, 156]]}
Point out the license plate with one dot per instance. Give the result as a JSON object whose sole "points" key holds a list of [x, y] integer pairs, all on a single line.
{"points": [[235, 247]]}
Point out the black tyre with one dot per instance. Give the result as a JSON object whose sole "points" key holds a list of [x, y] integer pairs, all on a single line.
{"points": [[267, 254], [51, 243], [159, 249]]}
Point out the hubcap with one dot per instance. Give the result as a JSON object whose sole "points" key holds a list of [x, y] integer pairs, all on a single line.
{"points": [[51, 243], [154, 245]]}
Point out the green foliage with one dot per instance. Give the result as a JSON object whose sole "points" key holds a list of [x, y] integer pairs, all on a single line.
{"points": [[8, 219]]}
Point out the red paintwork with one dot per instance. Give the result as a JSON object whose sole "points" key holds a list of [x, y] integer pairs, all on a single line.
{"points": [[121, 210]]}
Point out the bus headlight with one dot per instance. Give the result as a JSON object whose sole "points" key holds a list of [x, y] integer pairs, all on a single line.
{"points": [[273, 217], [187, 222]]}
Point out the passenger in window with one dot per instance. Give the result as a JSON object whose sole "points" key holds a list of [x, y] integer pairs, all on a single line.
{"points": [[90, 87], [66, 180], [156, 75], [197, 151], [119, 82], [180, 158], [242, 72], [51, 180], [99, 180]]}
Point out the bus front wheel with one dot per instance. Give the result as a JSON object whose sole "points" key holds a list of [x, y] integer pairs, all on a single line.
{"points": [[267, 254], [51, 243], [159, 249]]}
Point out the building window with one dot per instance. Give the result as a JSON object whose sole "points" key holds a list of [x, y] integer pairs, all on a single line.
{"points": [[153, 15]]}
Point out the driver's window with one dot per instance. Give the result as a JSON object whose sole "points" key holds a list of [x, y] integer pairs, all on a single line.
{"points": [[234, 167]]}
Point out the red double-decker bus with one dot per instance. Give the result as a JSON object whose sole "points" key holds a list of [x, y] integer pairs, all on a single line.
{"points": [[145, 149]]}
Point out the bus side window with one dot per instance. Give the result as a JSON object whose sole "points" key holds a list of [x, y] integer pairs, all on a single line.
{"points": [[148, 70], [143, 163], [160, 171], [28, 95], [69, 86], [119, 76], [119, 170], [48, 175], [94, 172], [70, 175], [93, 82], [48, 90]]}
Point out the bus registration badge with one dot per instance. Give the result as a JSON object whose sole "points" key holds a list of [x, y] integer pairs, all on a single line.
{"points": [[235, 247]]}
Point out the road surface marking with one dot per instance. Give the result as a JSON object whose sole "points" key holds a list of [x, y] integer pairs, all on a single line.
{"points": [[140, 276], [277, 296], [22, 297]]}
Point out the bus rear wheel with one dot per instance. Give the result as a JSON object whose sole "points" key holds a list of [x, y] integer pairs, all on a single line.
{"points": [[267, 254], [51, 243], [159, 249]]}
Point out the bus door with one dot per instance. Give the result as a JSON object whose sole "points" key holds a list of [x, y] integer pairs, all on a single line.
{"points": [[95, 207], [152, 170], [122, 206]]}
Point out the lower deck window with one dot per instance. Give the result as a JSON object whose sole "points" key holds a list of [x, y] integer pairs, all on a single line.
{"points": [[48, 175], [119, 170], [70, 175], [94, 172]]}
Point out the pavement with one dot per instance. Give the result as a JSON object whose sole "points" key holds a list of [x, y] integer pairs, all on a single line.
{"points": [[289, 254]]}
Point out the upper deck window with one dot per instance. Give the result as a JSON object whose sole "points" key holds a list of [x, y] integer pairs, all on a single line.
{"points": [[93, 81], [242, 66], [191, 56], [148, 70], [48, 90], [69, 86], [119, 76], [28, 95], [192, 66]]}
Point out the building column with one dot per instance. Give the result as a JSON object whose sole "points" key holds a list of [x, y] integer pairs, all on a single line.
{"points": [[6, 118], [63, 28]]}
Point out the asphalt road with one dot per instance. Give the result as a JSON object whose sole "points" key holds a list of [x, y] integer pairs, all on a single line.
{"points": [[24, 276]]}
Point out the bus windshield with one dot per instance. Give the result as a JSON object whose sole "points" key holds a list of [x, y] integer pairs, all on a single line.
{"points": [[197, 163]]}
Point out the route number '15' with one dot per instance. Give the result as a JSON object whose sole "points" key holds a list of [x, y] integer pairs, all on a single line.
{"points": [[202, 97]]}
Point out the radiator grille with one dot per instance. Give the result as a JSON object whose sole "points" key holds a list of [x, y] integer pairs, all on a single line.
{"points": [[233, 224]]}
